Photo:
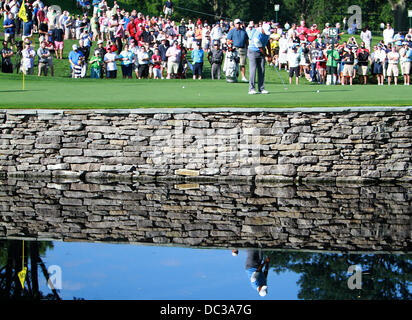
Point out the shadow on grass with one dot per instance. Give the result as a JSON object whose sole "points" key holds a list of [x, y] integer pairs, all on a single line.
{"points": [[20, 90], [310, 91]]}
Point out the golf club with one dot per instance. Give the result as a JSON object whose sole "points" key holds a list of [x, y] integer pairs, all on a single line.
{"points": [[280, 77]]}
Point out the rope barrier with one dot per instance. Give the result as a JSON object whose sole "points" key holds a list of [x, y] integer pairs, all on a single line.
{"points": [[204, 13]]}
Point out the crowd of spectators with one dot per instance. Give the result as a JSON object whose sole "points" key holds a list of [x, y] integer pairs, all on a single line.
{"points": [[158, 47]]}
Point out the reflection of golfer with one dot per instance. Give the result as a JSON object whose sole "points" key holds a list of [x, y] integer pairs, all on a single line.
{"points": [[254, 266]]}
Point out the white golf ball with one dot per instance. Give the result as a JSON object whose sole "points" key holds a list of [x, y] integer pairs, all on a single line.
{"points": [[183, 87], [318, 91]]}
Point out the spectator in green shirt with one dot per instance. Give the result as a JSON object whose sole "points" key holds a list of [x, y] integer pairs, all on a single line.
{"points": [[96, 63], [332, 64]]}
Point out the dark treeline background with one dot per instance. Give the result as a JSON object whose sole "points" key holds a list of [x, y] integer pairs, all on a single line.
{"points": [[374, 12]]}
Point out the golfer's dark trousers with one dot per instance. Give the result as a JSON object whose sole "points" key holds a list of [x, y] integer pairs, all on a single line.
{"points": [[256, 64]]}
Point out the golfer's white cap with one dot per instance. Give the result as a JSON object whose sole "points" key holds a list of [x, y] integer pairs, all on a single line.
{"points": [[237, 21], [266, 28], [74, 47], [263, 291]]}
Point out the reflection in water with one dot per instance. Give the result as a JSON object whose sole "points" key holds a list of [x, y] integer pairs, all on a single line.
{"points": [[278, 230], [263, 215], [320, 275], [257, 268], [325, 276], [14, 257]]}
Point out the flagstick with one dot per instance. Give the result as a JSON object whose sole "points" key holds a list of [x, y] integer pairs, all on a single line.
{"points": [[22, 36], [22, 267]]}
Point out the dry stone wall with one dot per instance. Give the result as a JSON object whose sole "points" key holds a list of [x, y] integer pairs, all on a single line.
{"points": [[310, 145]]}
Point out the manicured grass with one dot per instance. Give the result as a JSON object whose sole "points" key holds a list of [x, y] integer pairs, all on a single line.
{"points": [[65, 93]]}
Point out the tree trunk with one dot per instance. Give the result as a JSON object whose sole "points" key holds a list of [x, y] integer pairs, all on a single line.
{"points": [[399, 11], [34, 260]]}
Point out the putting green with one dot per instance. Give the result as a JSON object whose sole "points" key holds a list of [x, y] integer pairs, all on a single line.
{"points": [[62, 93]]}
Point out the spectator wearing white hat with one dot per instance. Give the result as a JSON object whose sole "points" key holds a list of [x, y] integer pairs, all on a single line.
{"points": [[75, 57], [258, 50]]}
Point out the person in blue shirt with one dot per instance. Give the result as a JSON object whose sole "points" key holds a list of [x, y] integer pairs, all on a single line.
{"points": [[406, 62], [168, 9], [398, 39], [95, 4], [28, 27], [127, 59], [9, 26], [258, 50], [197, 58], [75, 57], [254, 269]]}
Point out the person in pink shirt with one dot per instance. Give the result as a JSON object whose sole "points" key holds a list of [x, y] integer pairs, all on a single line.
{"points": [[119, 35]]}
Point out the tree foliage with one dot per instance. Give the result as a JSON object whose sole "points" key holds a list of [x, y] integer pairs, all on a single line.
{"points": [[325, 276]]}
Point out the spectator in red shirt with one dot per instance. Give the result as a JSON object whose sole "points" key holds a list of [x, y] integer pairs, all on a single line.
{"points": [[130, 29], [157, 60], [41, 15], [313, 33], [302, 31], [139, 20], [139, 30]]}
